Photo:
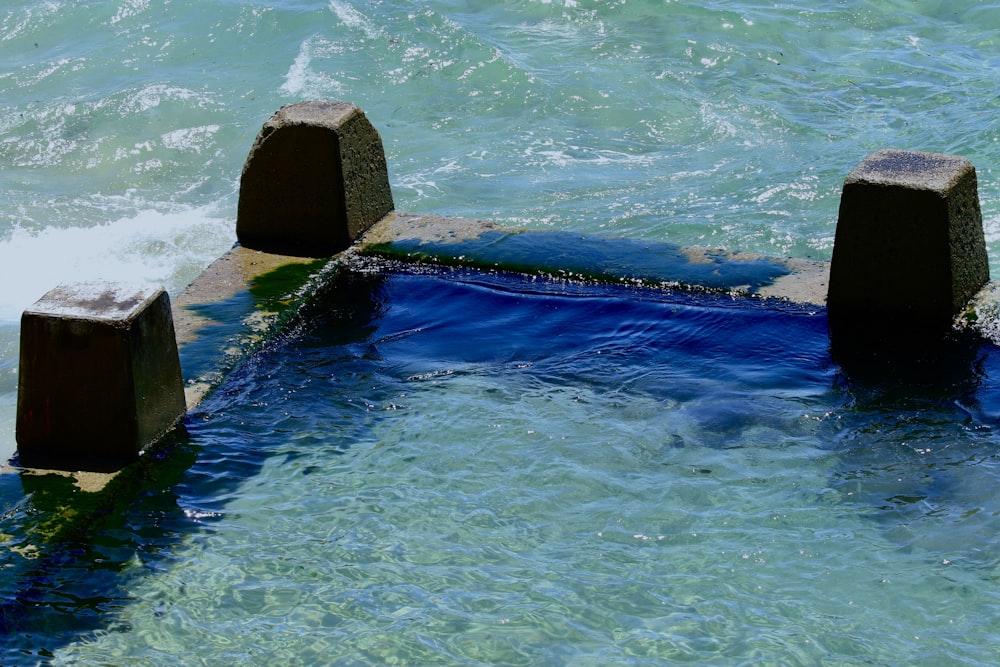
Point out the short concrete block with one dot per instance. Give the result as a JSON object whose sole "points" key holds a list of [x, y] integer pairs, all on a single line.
{"points": [[314, 181], [99, 377], [909, 241]]}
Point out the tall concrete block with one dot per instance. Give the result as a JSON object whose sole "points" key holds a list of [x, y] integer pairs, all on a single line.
{"points": [[909, 242], [99, 377], [314, 181]]}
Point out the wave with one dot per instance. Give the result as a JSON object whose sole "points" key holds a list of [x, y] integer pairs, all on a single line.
{"points": [[155, 248]]}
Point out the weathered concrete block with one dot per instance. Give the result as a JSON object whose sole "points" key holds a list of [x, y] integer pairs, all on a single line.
{"points": [[99, 377], [909, 241], [314, 181]]}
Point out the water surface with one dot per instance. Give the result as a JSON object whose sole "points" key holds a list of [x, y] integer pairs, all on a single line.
{"points": [[806, 514]]}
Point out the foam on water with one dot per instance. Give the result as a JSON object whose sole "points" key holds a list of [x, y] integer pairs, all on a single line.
{"points": [[152, 248]]}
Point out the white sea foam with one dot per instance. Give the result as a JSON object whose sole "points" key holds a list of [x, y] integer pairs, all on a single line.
{"points": [[189, 138], [130, 8], [151, 248], [73, 134], [153, 95], [305, 81], [805, 189], [352, 18], [565, 155], [991, 228], [20, 19]]}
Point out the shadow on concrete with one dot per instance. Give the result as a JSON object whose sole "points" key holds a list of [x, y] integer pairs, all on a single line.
{"points": [[561, 254]]}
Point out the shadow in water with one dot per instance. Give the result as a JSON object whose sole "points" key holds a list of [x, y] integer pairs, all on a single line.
{"points": [[67, 550], [908, 360], [917, 440]]}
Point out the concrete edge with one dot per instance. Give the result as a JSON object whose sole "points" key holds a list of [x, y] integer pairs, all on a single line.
{"points": [[232, 274], [803, 281]]}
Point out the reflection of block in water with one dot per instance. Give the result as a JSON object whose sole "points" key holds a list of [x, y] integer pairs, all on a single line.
{"points": [[99, 376]]}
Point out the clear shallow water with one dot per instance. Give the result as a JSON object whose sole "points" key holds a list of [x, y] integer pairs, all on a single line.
{"points": [[459, 469], [125, 125]]}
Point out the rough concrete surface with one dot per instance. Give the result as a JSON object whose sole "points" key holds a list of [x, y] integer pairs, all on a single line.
{"points": [[314, 180], [99, 376], [909, 241]]}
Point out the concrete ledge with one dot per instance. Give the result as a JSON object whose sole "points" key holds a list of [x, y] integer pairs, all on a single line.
{"points": [[234, 306], [480, 244]]}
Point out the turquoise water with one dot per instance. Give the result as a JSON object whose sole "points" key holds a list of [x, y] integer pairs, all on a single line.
{"points": [[805, 517]]}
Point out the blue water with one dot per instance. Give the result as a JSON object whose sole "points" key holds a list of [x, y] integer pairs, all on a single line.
{"points": [[842, 519]]}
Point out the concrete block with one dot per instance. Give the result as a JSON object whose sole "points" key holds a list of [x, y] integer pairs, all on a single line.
{"points": [[314, 181], [909, 241], [99, 377]]}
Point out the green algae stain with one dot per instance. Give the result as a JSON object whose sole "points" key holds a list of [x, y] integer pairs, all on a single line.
{"points": [[238, 325]]}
